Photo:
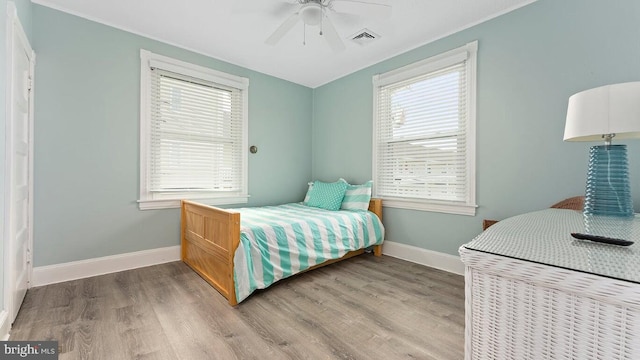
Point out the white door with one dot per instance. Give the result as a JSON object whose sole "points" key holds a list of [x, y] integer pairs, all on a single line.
{"points": [[18, 167]]}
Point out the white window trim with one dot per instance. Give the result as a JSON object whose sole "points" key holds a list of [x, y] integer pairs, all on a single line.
{"points": [[469, 52], [149, 59]]}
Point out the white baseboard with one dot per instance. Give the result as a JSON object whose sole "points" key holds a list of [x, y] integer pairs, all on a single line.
{"points": [[434, 259], [4, 325], [51, 274]]}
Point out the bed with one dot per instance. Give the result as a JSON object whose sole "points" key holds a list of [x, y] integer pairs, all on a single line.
{"points": [[227, 251]]}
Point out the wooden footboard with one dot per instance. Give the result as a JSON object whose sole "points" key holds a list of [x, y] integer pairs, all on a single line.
{"points": [[210, 237], [209, 240]]}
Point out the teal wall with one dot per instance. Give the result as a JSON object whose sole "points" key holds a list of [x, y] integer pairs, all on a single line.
{"points": [[529, 62], [87, 135], [24, 14]]}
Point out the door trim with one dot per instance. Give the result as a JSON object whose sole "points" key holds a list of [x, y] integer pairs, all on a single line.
{"points": [[15, 33]]}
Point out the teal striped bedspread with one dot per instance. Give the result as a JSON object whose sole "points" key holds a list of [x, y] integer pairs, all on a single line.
{"points": [[280, 241]]}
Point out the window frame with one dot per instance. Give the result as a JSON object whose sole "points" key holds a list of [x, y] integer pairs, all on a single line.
{"points": [[149, 200], [468, 53]]}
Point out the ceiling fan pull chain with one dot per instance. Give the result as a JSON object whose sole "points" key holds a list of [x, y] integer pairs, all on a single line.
{"points": [[321, 20]]}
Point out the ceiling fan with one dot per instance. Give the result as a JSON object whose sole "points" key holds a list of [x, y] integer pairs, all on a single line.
{"points": [[315, 13]]}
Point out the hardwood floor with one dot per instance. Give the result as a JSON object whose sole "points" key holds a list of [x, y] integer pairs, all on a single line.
{"points": [[361, 308]]}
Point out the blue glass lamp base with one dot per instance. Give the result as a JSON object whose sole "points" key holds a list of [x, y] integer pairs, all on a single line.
{"points": [[608, 192]]}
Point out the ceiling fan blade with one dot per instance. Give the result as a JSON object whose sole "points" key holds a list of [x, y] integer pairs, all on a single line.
{"points": [[362, 8], [283, 8], [333, 39], [283, 29], [273, 8]]}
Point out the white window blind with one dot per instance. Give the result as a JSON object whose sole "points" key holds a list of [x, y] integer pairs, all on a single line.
{"points": [[196, 135], [193, 134], [424, 138]]}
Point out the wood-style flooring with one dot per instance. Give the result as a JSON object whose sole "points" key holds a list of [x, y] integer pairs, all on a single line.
{"points": [[361, 308]]}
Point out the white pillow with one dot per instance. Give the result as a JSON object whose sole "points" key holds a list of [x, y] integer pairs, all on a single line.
{"points": [[357, 197], [306, 197]]}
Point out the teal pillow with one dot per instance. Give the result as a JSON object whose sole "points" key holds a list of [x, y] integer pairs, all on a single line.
{"points": [[327, 195], [357, 197]]}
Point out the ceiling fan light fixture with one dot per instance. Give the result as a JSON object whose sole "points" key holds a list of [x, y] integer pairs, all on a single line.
{"points": [[311, 13]]}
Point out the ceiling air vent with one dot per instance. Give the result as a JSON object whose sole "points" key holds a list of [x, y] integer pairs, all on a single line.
{"points": [[364, 36]]}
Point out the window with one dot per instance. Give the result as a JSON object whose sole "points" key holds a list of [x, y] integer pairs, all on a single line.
{"points": [[193, 134], [424, 134]]}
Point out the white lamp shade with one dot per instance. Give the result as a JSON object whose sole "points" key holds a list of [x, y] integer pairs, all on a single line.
{"points": [[611, 109]]}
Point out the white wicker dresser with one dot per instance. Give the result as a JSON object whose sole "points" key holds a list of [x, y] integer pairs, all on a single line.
{"points": [[533, 292]]}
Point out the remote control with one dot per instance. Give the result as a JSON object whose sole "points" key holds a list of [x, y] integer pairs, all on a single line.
{"points": [[602, 239]]}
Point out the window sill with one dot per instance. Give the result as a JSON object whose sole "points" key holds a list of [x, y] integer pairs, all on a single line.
{"points": [[175, 203], [422, 205]]}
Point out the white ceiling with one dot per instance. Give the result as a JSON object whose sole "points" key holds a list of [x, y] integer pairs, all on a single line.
{"points": [[235, 30]]}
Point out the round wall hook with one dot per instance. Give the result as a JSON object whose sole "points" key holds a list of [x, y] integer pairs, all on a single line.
{"points": [[253, 149]]}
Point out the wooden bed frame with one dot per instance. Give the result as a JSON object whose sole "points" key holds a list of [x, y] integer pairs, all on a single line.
{"points": [[210, 237]]}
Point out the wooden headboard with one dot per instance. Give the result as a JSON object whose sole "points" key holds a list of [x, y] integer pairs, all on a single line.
{"points": [[375, 206]]}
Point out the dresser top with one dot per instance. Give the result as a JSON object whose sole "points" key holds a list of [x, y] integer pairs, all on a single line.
{"points": [[545, 237]]}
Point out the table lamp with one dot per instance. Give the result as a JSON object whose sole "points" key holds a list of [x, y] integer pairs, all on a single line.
{"points": [[602, 114]]}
